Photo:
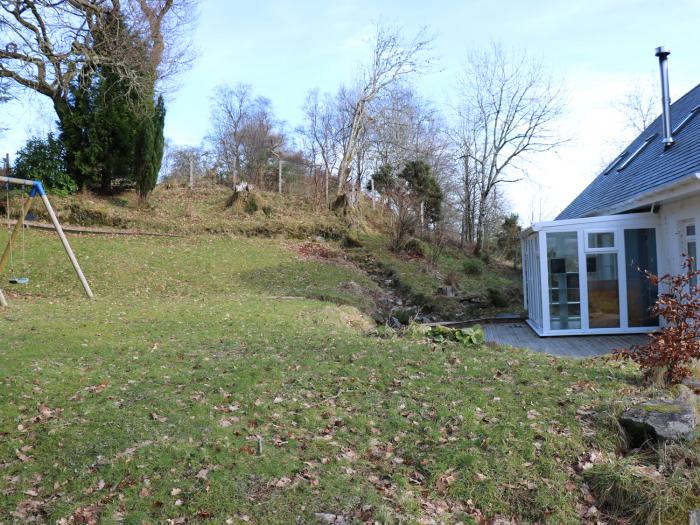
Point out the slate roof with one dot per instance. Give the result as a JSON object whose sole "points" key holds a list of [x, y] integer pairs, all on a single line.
{"points": [[652, 168]]}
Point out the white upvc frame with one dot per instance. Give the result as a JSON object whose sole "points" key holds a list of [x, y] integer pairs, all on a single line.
{"points": [[616, 224], [605, 249]]}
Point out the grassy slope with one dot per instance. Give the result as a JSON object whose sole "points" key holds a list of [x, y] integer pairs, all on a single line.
{"points": [[180, 211], [147, 403], [420, 281]]}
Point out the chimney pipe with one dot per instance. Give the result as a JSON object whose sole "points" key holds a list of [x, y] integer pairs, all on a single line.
{"points": [[663, 53]]}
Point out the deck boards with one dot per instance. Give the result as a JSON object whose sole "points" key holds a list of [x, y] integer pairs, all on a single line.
{"points": [[521, 335]]}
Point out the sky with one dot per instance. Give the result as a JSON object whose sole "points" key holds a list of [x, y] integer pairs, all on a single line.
{"points": [[596, 49]]}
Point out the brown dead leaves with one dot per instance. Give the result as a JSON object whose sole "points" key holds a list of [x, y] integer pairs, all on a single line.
{"points": [[157, 417]]}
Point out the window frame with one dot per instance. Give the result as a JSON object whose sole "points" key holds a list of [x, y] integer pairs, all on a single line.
{"points": [[606, 249], [685, 241]]}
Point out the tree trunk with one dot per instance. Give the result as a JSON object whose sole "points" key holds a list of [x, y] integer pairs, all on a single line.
{"points": [[105, 182], [480, 230]]}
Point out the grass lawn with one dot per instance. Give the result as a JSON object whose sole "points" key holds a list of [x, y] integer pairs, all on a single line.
{"points": [[214, 380]]}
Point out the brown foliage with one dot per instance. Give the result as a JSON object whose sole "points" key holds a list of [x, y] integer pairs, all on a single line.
{"points": [[677, 344]]}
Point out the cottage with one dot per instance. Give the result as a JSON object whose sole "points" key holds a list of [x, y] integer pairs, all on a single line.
{"points": [[581, 271]]}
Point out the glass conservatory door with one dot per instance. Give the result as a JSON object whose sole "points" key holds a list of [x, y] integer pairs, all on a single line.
{"points": [[640, 255], [564, 293], [603, 290]]}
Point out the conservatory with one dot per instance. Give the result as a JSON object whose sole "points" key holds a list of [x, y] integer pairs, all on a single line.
{"points": [[585, 275]]}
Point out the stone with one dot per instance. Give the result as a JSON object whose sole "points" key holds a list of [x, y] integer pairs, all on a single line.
{"points": [[394, 323], [685, 394], [326, 517], [660, 420], [447, 291], [694, 518], [693, 383]]}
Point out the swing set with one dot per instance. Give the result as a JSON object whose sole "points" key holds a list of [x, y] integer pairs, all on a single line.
{"points": [[8, 254]]}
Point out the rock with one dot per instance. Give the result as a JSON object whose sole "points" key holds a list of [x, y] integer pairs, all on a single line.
{"points": [[660, 420], [325, 517], [694, 518], [693, 383], [685, 394], [447, 291]]}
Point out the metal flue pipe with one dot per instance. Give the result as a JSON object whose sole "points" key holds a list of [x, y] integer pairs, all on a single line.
{"points": [[663, 53]]}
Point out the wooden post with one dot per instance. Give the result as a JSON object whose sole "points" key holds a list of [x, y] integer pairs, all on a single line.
{"points": [[66, 246], [3, 301], [279, 176], [26, 206], [38, 188]]}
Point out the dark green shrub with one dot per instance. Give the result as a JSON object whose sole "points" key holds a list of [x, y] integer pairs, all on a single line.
{"points": [[472, 266], [251, 204], [44, 160], [416, 248], [403, 316], [497, 297], [351, 241]]}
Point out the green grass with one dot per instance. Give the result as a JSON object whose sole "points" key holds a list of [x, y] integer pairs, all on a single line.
{"points": [[148, 403]]}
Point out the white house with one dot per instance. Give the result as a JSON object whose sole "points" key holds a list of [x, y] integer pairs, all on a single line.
{"points": [[581, 271]]}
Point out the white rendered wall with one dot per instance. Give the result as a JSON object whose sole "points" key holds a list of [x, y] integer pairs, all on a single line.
{"points": [[672, 215]]}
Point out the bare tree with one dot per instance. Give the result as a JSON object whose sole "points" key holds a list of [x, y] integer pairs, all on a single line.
{"points": [[639, 106], [392, 59], [47, 47], [507, 112], [261, 141], [245, 133], [321, 131], [230, 112], [179, 160]]}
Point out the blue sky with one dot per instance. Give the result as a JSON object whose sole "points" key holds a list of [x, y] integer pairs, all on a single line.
{"points": [[597, 49]]}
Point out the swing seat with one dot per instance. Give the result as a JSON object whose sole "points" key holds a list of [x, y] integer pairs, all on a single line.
{"points": [[19, 280]]}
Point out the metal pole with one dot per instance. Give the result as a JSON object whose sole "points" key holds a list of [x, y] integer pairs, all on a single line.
{"points": [[66, 245], [191, 172], [23, 182]]}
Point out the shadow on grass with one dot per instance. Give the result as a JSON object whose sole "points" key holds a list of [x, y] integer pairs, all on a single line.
{"points": [[313, 280]]}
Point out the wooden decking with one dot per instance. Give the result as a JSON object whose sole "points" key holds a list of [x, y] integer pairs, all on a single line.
{"points": [[520, 335]]}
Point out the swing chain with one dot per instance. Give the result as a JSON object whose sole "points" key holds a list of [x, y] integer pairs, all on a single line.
{"points": [[9, 225]]}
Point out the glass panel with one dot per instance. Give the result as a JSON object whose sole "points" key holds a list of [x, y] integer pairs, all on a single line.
{"points": [[603, 291], [640, 255], [601, 240], [690, 230], [692, 253], [562, 261]]}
